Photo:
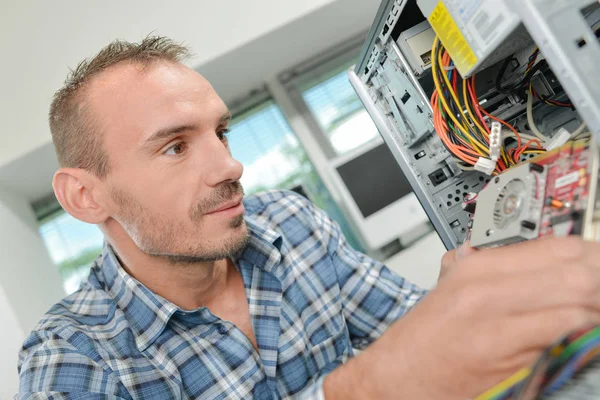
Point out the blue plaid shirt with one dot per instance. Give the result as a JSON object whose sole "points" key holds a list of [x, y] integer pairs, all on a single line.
{"points": [[312, 299]]}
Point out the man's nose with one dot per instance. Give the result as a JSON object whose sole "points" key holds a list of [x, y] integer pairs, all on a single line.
{"points": [[222, 167]]}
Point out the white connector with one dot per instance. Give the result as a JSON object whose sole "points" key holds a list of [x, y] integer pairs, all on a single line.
{"points": [[485, 165], [561, 137], [495, 141]]}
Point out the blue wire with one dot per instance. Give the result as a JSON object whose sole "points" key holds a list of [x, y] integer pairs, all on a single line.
{"points": [[570, 369], [505, 395], [450, 71]]}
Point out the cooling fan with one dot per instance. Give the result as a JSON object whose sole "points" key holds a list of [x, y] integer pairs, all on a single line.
{"points": [[509, 203], [510, 207]]}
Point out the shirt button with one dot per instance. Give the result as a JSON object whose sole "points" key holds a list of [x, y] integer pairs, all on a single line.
{"points": [[222, 329]]}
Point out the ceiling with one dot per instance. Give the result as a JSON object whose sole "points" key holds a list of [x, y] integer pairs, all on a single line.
{"points": [[42, 39], [233, 73]]}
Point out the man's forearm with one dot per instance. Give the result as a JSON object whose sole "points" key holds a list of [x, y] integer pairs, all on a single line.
{"points": [[376, 373], [345, 382]]}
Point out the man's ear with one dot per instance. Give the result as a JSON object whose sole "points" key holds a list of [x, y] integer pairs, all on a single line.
{"points": [[80, 194]]}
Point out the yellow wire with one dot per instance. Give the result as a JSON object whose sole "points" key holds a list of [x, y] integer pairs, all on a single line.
{"points": [[475, 121], [504, 385], [478, 147], [450, 89], [506, 158], [437, 84], [470, 113], [440, 92]]}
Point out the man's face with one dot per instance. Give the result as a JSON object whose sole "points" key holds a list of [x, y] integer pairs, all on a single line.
{"points": [[172, 179]]}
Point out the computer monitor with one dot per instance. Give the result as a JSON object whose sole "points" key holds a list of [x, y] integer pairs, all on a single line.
{"points": [[377, 196]]}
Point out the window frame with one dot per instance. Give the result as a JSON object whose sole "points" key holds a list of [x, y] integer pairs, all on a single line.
{"points": [[309, 74]]}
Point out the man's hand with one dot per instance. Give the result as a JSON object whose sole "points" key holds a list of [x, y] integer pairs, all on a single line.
{"points": [[492, 314], [452, 258]]}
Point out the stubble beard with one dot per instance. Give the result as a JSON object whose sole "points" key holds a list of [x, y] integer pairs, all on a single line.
{"points": [[155, 237]]}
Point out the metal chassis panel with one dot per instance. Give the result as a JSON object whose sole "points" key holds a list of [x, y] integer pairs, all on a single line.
{"points": [[557, 26], [427, 201]]}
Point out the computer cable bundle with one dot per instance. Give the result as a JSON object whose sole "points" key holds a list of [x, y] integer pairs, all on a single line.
{"points": [[525, 87], [463, 124], [554, 370]]}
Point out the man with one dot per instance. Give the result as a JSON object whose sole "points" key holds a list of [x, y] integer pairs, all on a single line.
{"points": [[200, 294]]}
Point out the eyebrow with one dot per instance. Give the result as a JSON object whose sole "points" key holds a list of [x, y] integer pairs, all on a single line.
{"points": [[167, 133]]}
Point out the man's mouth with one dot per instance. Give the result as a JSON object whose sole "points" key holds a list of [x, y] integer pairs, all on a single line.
{"points": [[232, 206]]}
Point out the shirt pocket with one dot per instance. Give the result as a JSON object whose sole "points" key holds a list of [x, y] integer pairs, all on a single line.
{"points": [[330, 352]]}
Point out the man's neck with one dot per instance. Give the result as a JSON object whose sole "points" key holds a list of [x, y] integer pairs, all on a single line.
{"points": [[188, 286]]}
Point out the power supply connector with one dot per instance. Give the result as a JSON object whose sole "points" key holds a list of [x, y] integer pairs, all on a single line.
{"points": [[561, 137], [485, 165], [495, 141]]}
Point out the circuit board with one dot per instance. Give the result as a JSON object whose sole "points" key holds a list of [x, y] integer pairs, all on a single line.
{"points": [[567, 190], [547, 196]]}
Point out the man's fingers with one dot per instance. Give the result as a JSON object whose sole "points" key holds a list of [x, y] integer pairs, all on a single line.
{"points": [[564, 285], [534, 255], [452, 257], [552, 325], [465, 250]]}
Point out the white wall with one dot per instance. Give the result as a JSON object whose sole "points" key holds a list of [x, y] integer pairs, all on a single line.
{"points": [[44, 38], [29, 282], [11, 339], [29, 278]]}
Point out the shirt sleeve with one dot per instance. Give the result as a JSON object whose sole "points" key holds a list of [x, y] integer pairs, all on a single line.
{"points": [[52, 368], [373, 296]]}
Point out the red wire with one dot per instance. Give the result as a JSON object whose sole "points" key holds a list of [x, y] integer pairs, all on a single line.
{"points": [[476, 104], [520, 151]]}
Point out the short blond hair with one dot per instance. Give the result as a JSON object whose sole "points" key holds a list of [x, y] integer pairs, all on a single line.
{"points": [[77, 140]]}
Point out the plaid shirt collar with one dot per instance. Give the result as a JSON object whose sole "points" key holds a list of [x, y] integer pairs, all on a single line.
{"points": [[137, 301]]}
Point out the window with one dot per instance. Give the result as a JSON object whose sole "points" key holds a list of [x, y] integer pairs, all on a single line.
{"points": [[338, 110], [263, 142], [323, 95], [73, 245], [273, 158]]}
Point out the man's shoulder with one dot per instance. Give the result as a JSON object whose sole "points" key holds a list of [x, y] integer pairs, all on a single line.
{"points": [[76, 345], [79, 318], [89, 306]]}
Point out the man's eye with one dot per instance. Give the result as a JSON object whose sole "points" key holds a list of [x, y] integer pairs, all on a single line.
{"points": [[222, 134], [176, 149]]}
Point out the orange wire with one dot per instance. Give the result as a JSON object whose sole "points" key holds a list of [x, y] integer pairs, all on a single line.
{"points": [[445, 63], [442, 130], [509, 126], [476, 104], [466, 154], [520, 151]]}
